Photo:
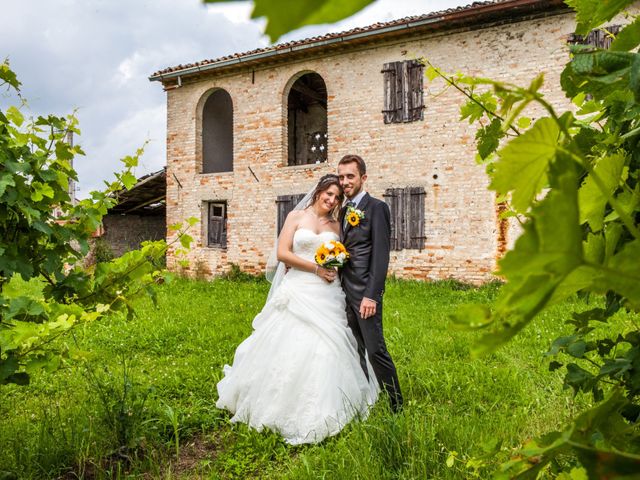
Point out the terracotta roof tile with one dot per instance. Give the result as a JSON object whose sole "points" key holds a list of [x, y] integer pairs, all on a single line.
{"points": [[369, 28]]}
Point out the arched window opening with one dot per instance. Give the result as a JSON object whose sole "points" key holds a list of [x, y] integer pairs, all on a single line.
{"points": [[307, 120], [217, 133]]}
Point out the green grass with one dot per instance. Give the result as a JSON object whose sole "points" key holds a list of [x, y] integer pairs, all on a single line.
{"points": [[93, 419]]}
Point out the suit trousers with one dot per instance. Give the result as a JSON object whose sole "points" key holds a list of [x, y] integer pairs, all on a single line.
{"points": [[368, 333]]}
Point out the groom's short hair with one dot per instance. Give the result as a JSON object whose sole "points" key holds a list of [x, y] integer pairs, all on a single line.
{"points": [[350, 158]]}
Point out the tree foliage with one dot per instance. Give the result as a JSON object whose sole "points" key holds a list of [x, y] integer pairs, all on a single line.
{"points": [[45, 291], [573, 181]]}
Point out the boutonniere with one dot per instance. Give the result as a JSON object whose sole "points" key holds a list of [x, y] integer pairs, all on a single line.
{"points": [[354, 216]]}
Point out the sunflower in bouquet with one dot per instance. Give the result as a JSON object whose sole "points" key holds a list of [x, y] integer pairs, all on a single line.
{"points": [[331, 254]]}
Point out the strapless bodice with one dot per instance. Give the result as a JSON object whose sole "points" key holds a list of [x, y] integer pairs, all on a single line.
{"points": [[306, 242]]}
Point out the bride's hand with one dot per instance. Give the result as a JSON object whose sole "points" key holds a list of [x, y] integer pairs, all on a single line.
{"points": [[328, 274]]}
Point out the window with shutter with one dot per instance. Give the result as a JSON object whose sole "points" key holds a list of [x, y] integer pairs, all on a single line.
{"points": [[403, 91], [407, 217], [217, 224], [286, 203], [600, 38]]}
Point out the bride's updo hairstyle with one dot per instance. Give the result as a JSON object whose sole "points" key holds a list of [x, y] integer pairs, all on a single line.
{"points": [[325, 182]]}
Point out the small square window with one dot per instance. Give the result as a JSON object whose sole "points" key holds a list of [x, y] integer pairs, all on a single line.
{"points": [[217, 224]]}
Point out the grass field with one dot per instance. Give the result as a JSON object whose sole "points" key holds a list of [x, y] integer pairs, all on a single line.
{"points": [[143, 404]]}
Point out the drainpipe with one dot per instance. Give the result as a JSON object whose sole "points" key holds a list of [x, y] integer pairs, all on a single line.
{"points": [[172, 87]]}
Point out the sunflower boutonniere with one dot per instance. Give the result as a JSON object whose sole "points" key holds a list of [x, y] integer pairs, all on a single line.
{"points": [[354, 216]]}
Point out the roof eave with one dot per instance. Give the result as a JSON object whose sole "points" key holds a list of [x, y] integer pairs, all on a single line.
{"points": [[439, 22]]}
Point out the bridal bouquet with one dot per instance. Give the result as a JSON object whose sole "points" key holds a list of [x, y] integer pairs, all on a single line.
{"points": [[331, 254]]}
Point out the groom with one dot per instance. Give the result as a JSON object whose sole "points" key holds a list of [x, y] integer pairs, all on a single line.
{"points": [[367, 239]]}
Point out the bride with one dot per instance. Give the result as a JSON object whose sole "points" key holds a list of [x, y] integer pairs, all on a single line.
{"points": [[299, 372]]}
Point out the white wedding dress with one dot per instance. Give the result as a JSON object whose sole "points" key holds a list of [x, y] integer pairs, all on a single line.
{"points": [[299, 372]]}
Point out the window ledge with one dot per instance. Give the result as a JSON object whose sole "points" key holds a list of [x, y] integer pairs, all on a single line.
{"points": [[305, 166], [214, 174]]}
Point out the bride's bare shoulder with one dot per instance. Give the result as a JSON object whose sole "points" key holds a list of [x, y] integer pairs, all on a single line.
{"points": [[295, 215]]}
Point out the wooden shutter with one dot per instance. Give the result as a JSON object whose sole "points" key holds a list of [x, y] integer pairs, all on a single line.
{"points": [[596, 38], [403, 91], [393, 198], [402, 87], [390, 111], [416, 236], [415, 91], [217, 225], [407, 217], [285, 204]]}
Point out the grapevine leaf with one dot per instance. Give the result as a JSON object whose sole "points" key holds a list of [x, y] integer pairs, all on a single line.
{"points": [[14, 115], [63, 151], [6, 180], [597, 72], [431, 72], [578, 378], [472, 316], [474, 109], [41, 190], [8, 367], [8, 76], [185, 240], [128, 179], [560, 344], [622, 274], [591, 198], [615, 366], [544, 257], [283, 17], [612, 234], [17, 287], [523, 164], [634, 77], [628, 38], [489, 138], [577, 349], [130, 161], [594, 248], [628, 201], [299, 13], [592, 13]]}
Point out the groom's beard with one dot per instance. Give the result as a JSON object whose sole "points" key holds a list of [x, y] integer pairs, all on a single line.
{"points": [[353, 194]]}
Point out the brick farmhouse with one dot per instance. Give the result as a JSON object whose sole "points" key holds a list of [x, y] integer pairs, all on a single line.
{"points": [[248, 133]]}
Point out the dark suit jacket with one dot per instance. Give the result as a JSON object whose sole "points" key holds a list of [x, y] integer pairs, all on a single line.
{"points": [[368, 245]]}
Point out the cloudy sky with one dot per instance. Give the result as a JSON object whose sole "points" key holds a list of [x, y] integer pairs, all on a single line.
{"points": [[96, 56]]}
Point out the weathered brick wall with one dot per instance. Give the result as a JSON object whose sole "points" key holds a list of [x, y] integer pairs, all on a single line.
{"points": [[125, 232], [463, 233]]}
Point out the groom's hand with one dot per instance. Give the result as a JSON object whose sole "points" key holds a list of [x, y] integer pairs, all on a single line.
{"points": [[367, 308]]}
